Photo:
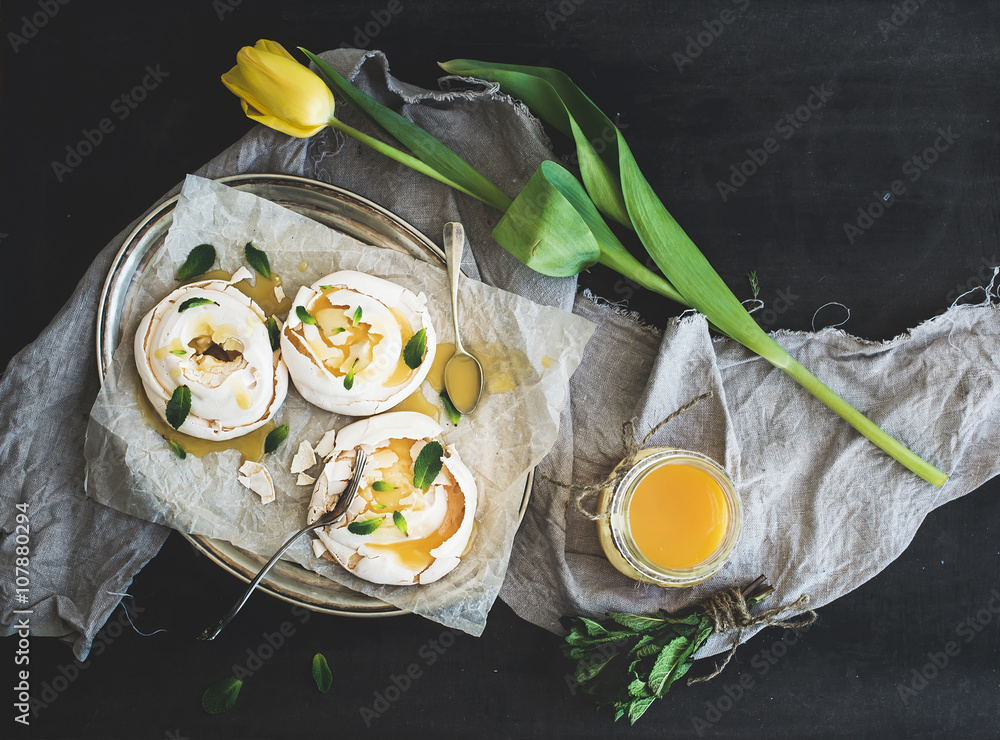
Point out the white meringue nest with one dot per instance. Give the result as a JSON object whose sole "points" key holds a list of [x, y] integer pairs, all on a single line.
{"points": [[221, 351], [320, 356], [439, 521]]}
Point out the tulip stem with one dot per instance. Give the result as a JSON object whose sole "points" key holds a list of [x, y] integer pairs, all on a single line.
{"points": [[401, 157]]}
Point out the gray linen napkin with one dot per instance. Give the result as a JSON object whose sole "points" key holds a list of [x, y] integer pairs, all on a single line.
{"points": [[803, 473]]}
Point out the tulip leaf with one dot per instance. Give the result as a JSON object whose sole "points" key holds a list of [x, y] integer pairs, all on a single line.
{"points": [[322, 674], [413, 352], [688, 275], [274, 438], [366, 527], [304, 316], [192, 302], [179, 406], [553, 96], [257, 259], [221, 697], [427, 465], [544, 230], [426, 148], [198, 261]]}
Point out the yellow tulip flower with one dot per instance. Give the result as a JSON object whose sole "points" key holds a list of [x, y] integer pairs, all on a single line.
{"points": [[289, 97], [278, 91]]}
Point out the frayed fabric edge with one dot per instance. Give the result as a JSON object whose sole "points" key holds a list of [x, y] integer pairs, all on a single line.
{"points": [[634, 317], [990, 302], [411, 94]]}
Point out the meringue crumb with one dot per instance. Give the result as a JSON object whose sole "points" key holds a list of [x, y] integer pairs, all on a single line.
{"points": [[254, 476], [279, 294], [325, 447], [240, 275], [304, 458], [304, 479]]}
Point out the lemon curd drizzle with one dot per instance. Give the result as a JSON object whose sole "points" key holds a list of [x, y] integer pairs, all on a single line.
{"points": [[250, 445], [412, 553], [259, 289]]}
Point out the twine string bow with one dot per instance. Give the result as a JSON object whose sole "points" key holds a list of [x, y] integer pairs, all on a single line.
{"points": [[632, 450], [728, 611]]}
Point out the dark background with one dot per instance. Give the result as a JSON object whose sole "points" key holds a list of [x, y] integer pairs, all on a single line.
{"points": [[896, 80]]}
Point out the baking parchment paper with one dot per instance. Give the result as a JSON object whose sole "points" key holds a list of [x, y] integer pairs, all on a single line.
{"points": [[132, 469]]}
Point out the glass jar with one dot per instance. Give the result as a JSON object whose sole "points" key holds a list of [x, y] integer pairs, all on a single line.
{"points": [[615, 531]]}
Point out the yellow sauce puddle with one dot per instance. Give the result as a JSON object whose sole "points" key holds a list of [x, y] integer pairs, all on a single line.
{"points": [[250, 446]]}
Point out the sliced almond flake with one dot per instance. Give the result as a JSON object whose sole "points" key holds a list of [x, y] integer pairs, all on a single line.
{"points": [[304, 479], [325, 447], [304, 458]]}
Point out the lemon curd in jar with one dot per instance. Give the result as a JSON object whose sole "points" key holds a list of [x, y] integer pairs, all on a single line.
{"points": [[673, 519]]}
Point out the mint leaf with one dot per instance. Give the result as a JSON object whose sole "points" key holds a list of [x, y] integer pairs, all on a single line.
{"points": [[349, 378], [638, 707], [400, 521], [321, 673], [304, 316], [413, 352], [220, 697], [637, 622], [454, 415], [366, 527], [178, 450], [273, 333], [179, 406], [197, 263], [356, 317], [192, 302], [382, 486], [274, 438], [666, 664], [427, 465], [257, 260]]}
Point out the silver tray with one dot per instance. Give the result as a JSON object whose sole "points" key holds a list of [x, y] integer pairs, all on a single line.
{"points": [[331, 206]]}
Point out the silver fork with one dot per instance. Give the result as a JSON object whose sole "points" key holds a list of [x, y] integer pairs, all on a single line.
{"points": [[210, 633]]}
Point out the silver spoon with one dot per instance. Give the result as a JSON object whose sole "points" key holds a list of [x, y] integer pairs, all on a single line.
{"points": [[326, 520], [462, 363]]}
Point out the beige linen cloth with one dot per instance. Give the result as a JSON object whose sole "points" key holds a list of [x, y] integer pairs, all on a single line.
{"points": [[824, 510]]}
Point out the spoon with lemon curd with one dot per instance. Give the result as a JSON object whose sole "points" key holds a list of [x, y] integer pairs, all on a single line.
{"points": [[463, 375]]}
